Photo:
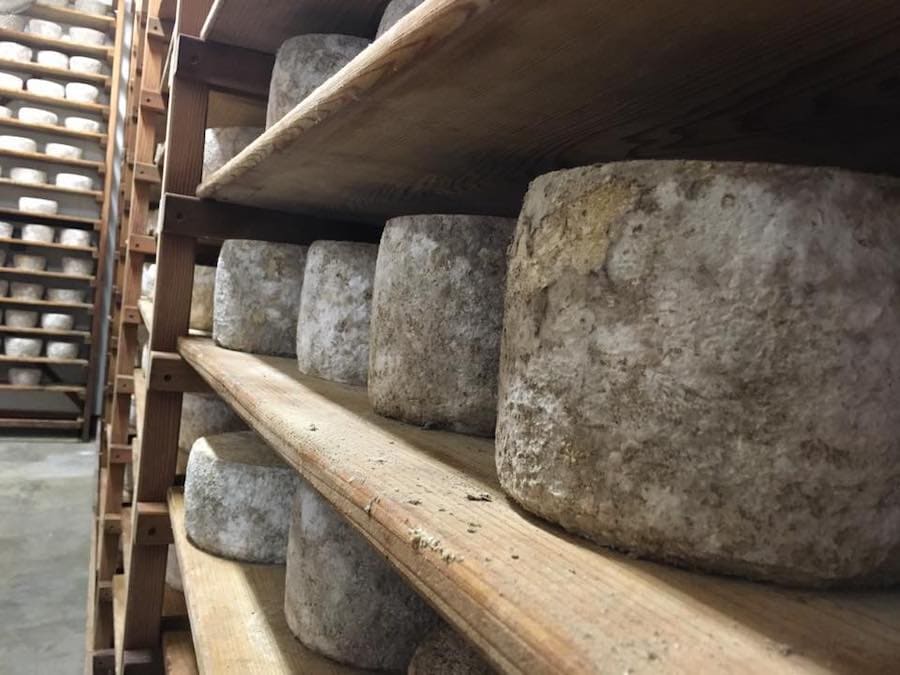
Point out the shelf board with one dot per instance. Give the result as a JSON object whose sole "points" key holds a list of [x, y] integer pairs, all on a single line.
{"points": [[45, 276], [48, 424], [50, 159], [73, 17], [461, 104], [223, 596], [42, 360], [46, 305], [53, 101], [65, 248], [75, 335], [102, 52], [64, 74], [54, 129], [140, 397], [48, 388], [120, 591], [531, 597], [178, 653], [47, 187], [241, 23], [56, 219]]}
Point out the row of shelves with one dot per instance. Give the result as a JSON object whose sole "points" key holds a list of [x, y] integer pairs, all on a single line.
{"points": [[470, 102]]}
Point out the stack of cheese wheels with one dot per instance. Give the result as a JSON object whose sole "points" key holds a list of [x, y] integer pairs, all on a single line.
{"points": [[699, 366]]}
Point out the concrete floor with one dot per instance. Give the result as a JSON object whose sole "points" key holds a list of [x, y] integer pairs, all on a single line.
{"points": [[46, 500]]}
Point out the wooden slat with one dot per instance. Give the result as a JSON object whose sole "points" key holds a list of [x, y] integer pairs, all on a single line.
{"points": [[48, 388], [73, 17], [223, 596], [41, 275], [38, 424], [48, 187], [533, 599], [178, 653], [240, 23], [464, 102], [53, 101], [52, 129], [67, 307], [42, 360], [78, 335], [63, 74], [58, 219], [66, 248], [64, 46], [50, 159]]}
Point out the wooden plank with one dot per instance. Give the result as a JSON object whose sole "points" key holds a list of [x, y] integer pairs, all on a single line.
{"points": [[225, 67], [170, 372], [153, 102], [53, 101], [48, 388], [142, 243], [178, 653], [533, 599], [17, 244], [79, 335], [42, 360], [198, 218], [52, 129], [50, 187], [463, 103], [151, 524], [59, 220], [72, 17], [69, 280], [239, 22], [64, 46], [146, 173], [222, 596], [50, 159], [66, 307], [64, 74], [38, 424]]}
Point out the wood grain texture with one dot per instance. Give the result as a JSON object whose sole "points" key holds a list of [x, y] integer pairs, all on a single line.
{"points": [[533, 599], [178, 653], [464, 102], [237, 613], [264, 26], [50, 159], [65, 248], [53, 101], [50, 424], [59, 220]]}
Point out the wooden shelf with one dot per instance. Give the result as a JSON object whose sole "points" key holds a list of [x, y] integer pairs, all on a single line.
{"points": [[47, 187], [59, 220], [42, 360], [53, 101], [55, 129], [50, 159], [75, 335], [223, 596], [140, 397], [45, 276], [37, 424], [462, 104], [48, 388], [67, 307], [72, 17], [531, 597], [102, 52], [239, 22], [64, 74], [65, 248]]}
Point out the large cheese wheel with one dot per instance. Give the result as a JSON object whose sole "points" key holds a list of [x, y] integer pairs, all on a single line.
{"points": [[237, 498], [437, 313], [302, 64], [342, 599], [700, 366], [335, 308], [257, 296]]}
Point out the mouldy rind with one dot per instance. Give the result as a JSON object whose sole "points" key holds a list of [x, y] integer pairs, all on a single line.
{"points": [[700, 366]]}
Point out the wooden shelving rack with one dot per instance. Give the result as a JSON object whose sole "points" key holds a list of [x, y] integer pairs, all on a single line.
{"points": [[71, 379], [471, 101]]}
